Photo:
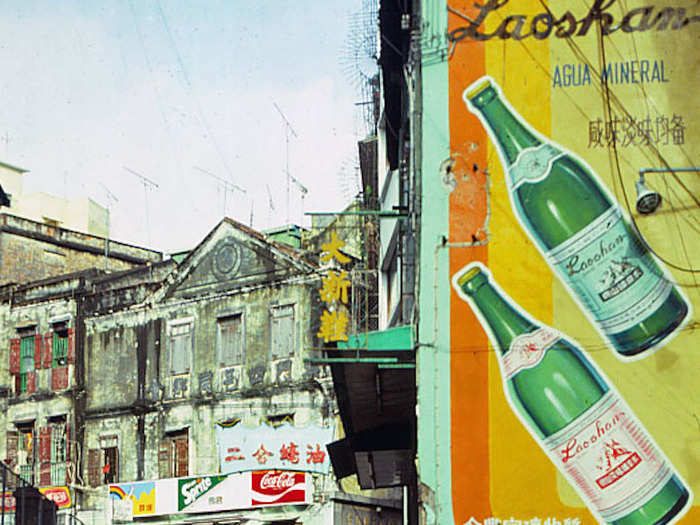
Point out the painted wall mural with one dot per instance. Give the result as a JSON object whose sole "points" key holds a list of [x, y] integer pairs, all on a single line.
{"points": [[571, 315]]}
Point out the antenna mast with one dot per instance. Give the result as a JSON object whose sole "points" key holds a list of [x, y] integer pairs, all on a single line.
{"points": [[148, 184], [228, 186], [287, 130], [110, 198]]}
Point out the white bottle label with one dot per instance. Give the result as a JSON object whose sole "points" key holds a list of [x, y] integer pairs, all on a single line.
{"points": [[532, 164], [527, 350], [609, 456], [611, 273]]}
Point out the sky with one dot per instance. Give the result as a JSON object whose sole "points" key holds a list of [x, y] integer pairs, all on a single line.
{"points": [[185, 93]]}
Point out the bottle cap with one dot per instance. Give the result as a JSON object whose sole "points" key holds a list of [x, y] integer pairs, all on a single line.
{"points": [[468, 275], [477, 88]]}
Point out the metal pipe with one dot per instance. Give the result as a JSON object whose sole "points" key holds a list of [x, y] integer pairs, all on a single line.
{"points": [[666, 170]]}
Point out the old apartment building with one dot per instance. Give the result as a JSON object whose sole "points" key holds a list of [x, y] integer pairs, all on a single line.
{"points": [[135, 394]]}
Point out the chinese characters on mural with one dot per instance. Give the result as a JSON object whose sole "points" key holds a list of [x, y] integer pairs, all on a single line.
{"points": [[334, 293], [643, 131], [531, 521]]}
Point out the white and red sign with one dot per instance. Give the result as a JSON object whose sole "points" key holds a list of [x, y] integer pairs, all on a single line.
{"points": [[59, 495], [278, 487], [213, 493]]}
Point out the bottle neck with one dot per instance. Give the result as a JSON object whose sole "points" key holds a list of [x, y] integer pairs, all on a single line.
{"points": [[502, 316], [511, 133]]}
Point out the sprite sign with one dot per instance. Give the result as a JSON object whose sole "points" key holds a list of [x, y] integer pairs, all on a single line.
{"points": [[191, 490]]}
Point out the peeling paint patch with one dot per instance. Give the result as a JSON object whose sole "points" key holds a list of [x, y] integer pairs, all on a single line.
{"points": [[447, 176]]}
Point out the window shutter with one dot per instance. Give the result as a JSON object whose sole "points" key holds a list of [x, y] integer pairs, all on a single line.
{"points": [[94, 467], [45, 456], [48, 350], [164, 459], [12, 442], [182, 455], [18, 383], [45, 444], [38, 339], [69, 465], [71, 347], [31, 382], [14, 355], [59, 378], [68, 442]]}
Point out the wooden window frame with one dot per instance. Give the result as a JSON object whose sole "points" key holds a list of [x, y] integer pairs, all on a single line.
{"points": [[174, 454], [240, 358], [274, 356], [174, 326]]}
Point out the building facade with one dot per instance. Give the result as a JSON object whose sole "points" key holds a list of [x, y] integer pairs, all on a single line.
{"points": [[174, 391], [78, 214]]}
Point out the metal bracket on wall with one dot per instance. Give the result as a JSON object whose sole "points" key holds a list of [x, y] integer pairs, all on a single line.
{"points": [[333, 360]]}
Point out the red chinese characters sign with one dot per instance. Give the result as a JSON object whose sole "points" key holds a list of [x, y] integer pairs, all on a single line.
{"points": [[284, 447]]}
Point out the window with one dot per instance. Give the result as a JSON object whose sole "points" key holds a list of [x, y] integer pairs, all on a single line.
{"points": [[282, 331], [180, 341], [53, 452], [110, 470], [59, 449], [25, 451], [173, 455], [230, 340], [27, 337], [60, 345], [103, 462]]}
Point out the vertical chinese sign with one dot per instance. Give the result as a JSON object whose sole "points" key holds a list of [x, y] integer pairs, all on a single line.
{"points": [[334, 293]]}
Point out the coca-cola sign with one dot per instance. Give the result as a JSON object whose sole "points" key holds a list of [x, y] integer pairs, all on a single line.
{"points": [[277, 487]]}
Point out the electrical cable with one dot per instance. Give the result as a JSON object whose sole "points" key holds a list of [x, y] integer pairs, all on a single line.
{"points": [[615, 154]]}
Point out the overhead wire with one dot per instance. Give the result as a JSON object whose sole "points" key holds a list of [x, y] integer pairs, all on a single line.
{"points": [[159, 97], [193, 95], [610, 99]]}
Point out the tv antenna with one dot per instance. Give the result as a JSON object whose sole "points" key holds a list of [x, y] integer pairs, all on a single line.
{"points": [[270, 205], [227, 185], [303, 191], [148, 184], [111, 198], [287, 130]]}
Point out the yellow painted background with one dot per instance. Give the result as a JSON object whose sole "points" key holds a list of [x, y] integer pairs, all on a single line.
{"points": [[663, 388]]}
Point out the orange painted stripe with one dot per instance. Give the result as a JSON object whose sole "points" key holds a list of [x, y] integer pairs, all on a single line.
{"points": [[469, 356]]}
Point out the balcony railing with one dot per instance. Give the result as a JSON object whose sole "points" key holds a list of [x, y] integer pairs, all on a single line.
{"points": [[58, 473], [26, 472]]}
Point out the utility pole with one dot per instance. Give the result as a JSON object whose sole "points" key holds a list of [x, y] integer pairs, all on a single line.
{"points": [[148, 184], [287, 130]]}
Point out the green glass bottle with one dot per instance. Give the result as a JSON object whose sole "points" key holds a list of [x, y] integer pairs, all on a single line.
{"points": [[575, 415], [581, 231]]}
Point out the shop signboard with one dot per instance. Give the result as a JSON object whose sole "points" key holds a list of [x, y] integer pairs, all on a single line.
{"points": [[61, 496], [283, 447], [210, 493], [566, 300]]}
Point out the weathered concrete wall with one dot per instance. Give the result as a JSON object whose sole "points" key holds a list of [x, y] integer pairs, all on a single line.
{"points": [[129, 371], [45, 402], [31, 250]]}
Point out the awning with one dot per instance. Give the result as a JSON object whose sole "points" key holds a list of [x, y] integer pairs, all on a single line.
{"points": [[374, 380]]}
